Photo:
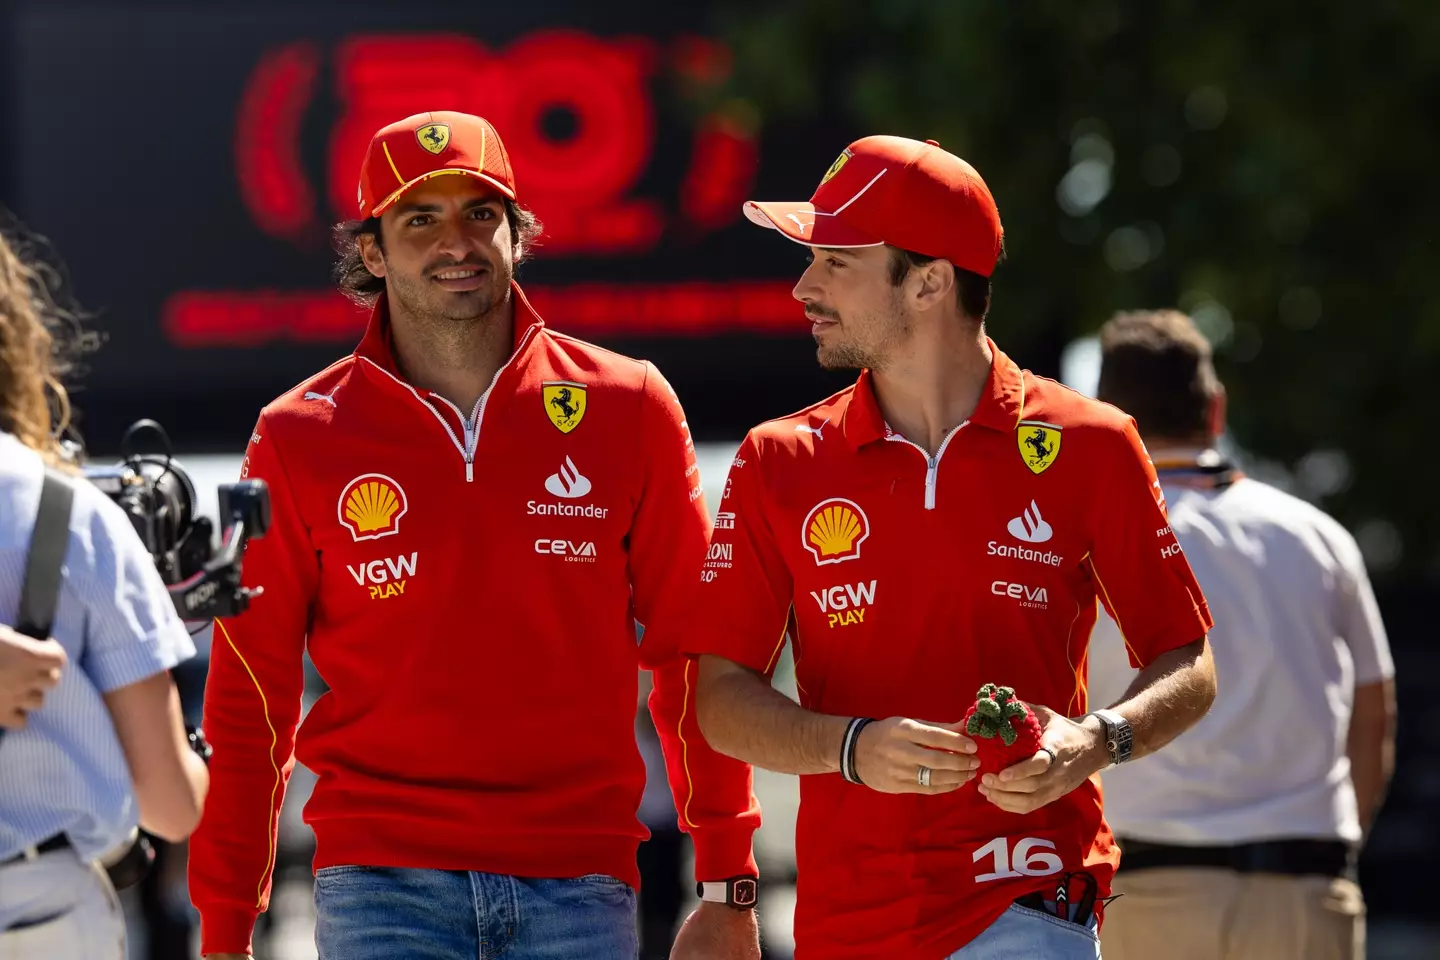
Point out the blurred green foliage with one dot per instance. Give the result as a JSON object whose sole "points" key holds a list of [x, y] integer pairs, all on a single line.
{"points": [[1269, 167]]}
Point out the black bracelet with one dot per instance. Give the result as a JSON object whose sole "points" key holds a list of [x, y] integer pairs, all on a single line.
{"points": [[847, 748], [846, 772]]}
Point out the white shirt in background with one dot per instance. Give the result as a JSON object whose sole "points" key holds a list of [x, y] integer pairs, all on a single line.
{"points": [[1296, 630]]}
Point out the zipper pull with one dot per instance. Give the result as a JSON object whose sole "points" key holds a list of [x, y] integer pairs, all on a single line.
{"points": [[469, 471]]}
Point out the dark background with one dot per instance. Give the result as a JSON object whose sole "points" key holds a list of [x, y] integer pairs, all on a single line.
{"points": [[124, 154], [1269, 167]]}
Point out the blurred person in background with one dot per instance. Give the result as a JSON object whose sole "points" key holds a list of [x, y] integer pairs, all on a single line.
{"points": [[107, 750], [469, 516], [948, 521], [1240, 839]]}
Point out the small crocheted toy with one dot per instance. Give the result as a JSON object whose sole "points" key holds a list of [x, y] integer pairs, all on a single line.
{"points": [[1005, 730]]}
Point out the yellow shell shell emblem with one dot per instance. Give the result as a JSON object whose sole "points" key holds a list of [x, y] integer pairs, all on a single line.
{"points": [[1039, 444], [371, 506], [434, 137], [564, 403], [834, 530]]}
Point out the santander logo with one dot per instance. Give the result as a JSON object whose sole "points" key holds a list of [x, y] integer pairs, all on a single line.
{"points": [[1030, 526], [568, 482]]}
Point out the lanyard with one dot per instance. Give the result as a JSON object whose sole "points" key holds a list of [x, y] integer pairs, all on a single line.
{"points": [[1194, 475]]}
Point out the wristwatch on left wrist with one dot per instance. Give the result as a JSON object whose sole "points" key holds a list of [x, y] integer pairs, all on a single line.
{"points": [[737, 892], [1119, 738]]}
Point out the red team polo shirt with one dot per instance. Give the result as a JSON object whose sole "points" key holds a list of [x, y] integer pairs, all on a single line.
{"points": [[905, 582]]}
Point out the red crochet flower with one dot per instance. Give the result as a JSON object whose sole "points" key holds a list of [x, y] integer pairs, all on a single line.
{"points": [[1005, 730]]}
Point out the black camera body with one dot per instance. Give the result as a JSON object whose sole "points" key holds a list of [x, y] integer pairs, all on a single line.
{"points": [[158, 496]]}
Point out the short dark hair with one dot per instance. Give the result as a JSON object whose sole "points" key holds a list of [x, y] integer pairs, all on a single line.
{"points": [[360, 285], [972, 291], [1158, 367]]}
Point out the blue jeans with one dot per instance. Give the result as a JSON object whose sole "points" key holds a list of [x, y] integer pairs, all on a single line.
{"points": [[382, 913], [1022, 932]]}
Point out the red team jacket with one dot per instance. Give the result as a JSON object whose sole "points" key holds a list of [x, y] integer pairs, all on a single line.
{"points": [[906, 582], [470, 598]]}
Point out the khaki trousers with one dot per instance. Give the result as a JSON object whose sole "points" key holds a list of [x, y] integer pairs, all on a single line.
{"points": [[1205, 913], [55, 907]]}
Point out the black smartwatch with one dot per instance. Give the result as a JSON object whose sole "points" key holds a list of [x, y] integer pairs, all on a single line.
{"points": [[738, 892], [1119, 739], [198, 743]]}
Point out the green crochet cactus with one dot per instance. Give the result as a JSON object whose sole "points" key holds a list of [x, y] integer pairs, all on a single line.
{"points": [[995, 709]]}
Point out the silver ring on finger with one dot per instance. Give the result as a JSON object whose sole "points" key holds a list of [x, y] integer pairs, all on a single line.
{"points": [[1053, 758], [923, 777]]}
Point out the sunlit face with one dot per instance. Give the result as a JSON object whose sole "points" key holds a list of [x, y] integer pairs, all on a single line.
{"points": [[857, 316], [448, 252]]}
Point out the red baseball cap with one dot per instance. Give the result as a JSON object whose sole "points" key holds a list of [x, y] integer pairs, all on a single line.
{"points": [[906, 193], [413, 150]]}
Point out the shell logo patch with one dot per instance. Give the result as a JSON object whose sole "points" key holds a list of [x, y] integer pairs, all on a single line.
{"points": [[371, 506], [834, 530]]}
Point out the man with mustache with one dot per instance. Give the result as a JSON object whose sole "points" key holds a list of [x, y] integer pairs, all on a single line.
{"points": [[949, 521], [471, 513]]}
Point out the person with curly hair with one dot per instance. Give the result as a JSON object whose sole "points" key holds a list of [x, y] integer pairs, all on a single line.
{"points": [[470, 514], [96, 745]]}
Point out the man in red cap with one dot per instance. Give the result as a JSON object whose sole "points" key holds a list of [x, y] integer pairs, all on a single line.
{"points": [[470, 515], [949, 521]]}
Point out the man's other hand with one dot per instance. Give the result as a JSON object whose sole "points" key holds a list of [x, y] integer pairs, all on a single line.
{"points": [[1075, 752], [29, 669], [718, 932], [890, 753]]}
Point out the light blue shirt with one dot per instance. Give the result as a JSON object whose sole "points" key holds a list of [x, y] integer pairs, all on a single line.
{"points": [[65, 772]]}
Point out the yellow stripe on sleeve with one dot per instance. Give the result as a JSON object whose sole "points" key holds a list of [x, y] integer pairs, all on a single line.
{"points": [[1110, 607], [274, 816], [779, 644], [680, 731], [685, 750]]}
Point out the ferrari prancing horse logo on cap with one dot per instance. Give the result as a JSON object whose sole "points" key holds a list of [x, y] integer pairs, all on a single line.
{"points": [[835, 167], [434, 136], [1039, 444]]}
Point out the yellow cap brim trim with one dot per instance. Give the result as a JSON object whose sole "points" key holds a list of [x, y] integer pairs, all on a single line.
{"points": [[401, 190]]}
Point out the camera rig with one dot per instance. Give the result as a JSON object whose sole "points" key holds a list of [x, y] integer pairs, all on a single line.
{"points": [[159, 498]]}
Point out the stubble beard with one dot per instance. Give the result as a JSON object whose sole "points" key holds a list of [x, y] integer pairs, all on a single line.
{"points": [[431, 306], [843, 356], [848, 353]]}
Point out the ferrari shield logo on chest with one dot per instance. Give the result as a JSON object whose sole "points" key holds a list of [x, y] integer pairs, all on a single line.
{"points": [[1039, 444], [564, 403]]}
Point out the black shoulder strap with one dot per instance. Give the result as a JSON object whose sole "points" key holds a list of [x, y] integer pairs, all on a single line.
{"points": [[48, 542]]}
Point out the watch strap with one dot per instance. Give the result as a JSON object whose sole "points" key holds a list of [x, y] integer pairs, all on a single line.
{"points": [[738, 892]]}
